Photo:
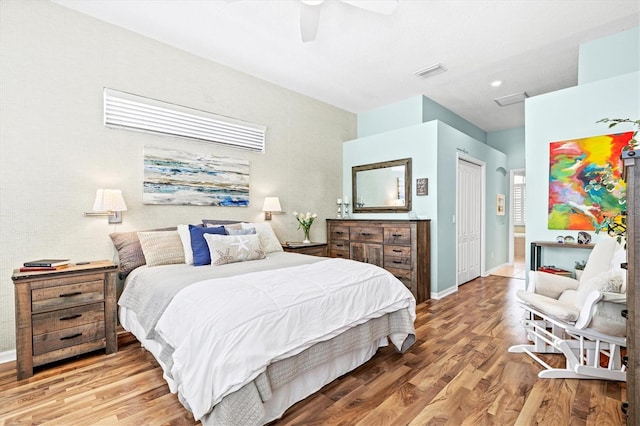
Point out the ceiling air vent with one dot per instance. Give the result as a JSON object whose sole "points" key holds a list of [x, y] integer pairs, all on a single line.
{"points": [[427, 72], [133, 112], [511, 99]]}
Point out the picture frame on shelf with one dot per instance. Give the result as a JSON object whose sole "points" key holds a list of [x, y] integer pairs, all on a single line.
{"points": [[500, 205]]}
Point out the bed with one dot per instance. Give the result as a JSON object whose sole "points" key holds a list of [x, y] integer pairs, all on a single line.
{"points": [[241, 341]]}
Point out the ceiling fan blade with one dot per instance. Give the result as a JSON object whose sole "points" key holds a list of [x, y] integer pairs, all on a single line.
{"points": [[309, 19], [384, 7]]}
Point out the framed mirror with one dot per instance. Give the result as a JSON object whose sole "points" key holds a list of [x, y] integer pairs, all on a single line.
{"points": [[382, 187]]}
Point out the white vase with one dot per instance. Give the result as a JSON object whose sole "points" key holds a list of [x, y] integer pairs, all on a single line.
{"points": [[578, 274]]}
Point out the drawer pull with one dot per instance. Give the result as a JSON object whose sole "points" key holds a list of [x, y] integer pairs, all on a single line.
{"points": [[365, 234], [339, 255], [339, 232], [70, 317], [397, 261], [396, 235], [75, 293], [339, 245], [73, 336], [397, 251]]}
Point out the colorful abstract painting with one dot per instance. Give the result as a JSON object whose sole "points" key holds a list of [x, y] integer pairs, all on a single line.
{"points": [[585, 182], [178, 177]]}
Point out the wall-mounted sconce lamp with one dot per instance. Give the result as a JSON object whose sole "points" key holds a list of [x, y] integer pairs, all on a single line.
{"points": [[109, 202], [271, 204]]}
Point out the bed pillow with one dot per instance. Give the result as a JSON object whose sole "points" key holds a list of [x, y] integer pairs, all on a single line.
{"points": [[234, 231], [185, 237], [201, 255], [129, 250], [268, 239], [233, 248], [161, 248]]}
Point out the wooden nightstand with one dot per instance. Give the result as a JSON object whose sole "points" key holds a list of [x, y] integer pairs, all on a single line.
{"points": [[60, 314], [313, 249]]}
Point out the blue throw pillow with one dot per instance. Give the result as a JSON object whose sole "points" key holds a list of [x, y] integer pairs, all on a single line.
{"points": [[201, 255]]}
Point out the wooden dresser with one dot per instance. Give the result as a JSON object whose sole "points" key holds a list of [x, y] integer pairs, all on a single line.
{"points": [[64, 313], [400, 246]]}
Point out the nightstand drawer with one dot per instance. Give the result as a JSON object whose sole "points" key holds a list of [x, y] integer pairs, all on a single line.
{"points": [[73, 336], [60, 297], [67, 318]]}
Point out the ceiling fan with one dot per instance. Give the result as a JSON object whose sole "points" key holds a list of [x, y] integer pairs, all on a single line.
{"points": [[310, 13]]}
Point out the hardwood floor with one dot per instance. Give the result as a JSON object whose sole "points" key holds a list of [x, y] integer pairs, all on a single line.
{"points": [[458, 373]]}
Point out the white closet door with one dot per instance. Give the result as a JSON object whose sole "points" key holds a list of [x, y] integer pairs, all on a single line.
{"points": [[469, 220]]}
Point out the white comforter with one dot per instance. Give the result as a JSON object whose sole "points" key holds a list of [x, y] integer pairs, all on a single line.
{"points": [[238, 325]]}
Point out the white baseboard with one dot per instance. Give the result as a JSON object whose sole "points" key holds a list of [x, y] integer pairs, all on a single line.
{"points": [[444, 293], [492, 270], [7, 356]]}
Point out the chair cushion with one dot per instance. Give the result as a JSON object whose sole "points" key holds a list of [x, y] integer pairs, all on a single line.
{"points": [[605, 281], [600, 258], [560, 310]]}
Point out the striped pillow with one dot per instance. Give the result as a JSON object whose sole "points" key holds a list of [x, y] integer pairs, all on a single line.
{"points": [[161, 248]]}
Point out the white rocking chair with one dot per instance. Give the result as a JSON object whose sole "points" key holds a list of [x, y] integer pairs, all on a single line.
{"points": [[579, 319]]}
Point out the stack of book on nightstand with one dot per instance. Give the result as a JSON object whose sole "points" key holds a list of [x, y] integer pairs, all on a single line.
{"points": [[45, 265]]}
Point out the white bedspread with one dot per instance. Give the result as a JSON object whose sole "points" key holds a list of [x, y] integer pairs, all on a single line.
{"points": [[238, 325]]}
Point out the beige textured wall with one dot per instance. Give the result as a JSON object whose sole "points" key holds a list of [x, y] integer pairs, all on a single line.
{"points": [[55, 151]]}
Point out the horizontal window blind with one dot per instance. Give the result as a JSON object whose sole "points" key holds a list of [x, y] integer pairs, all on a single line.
{"points": [[128, 111], [519, 203]]}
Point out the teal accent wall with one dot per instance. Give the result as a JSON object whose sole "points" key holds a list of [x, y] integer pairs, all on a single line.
{"points": [[433, 147], [434, 111], [511, 142], [451, 144], [395, 116], [609, 56], [569, 114]]}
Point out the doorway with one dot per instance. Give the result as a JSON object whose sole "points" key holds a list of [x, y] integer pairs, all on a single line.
{"points": [[517, 220], [470, 219]]}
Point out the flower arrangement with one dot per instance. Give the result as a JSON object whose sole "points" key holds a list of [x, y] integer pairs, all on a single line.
{"points": [[305, 221]]}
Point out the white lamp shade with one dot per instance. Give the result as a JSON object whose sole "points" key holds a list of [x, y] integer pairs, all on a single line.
{"points": [[271, 204], [109, 200]]}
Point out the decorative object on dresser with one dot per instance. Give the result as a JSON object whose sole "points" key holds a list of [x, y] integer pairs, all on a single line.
{"points": [[313, 249], [63, 313], [400, 246]]}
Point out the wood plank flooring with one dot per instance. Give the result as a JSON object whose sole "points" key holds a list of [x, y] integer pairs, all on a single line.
{"points": [[458, 373]]}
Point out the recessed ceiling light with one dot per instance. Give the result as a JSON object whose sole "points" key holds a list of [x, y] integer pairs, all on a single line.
{"points": [[511, 99], [496, 83]]}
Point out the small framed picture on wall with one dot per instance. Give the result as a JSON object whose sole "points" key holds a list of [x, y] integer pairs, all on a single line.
{"points": [[422, 186], [500, 206]]}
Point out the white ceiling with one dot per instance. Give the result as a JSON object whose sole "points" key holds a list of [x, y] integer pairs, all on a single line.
{"points": [[362, 60]]}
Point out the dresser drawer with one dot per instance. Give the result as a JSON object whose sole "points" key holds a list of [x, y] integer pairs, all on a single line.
{"points": [[63, 296], [48, 342], [339, 233], [397, 257], [67, 318], [401, 236], [366, 234], [404, 275], [339, 249]]}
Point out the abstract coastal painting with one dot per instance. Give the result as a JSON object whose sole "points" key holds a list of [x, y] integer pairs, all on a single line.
{"points": [[179, 177], [585, 181]]}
